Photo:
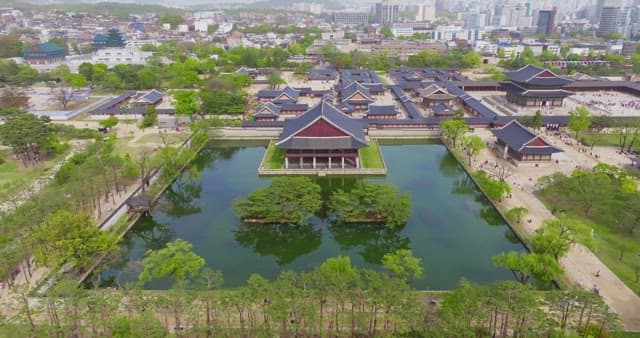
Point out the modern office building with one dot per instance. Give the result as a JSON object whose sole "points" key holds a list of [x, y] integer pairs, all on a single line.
{"points": [[386, 12], [608, 21], [351, 18], [547, 22]]}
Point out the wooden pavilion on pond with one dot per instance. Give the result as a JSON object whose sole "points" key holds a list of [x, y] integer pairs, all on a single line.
{"points": [[517, 142], [536, 87], [323, 137]]}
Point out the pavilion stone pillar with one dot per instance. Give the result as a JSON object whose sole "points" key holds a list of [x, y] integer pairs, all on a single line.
{"points": [[314, 162], [301, 162], [286, 163], [505, 152], [342, 158], [358, 162], [329, 162]]}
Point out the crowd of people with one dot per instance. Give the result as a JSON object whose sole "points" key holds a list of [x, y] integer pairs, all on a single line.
{"points": [[610, 102]]}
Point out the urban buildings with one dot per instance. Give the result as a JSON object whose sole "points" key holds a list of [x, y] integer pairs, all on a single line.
{"points": [[425, 12], [608, 21], [547, 22], [386, 12], [351, 18]]}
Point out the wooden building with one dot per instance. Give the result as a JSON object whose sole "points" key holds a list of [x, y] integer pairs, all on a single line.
{"points": [[322, 137], [356, 95], [517, 142], [44, 54], [536, 87], [434, 95]]}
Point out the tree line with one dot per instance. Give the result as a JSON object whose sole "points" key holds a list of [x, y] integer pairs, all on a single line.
{"points": [[335, 299]]}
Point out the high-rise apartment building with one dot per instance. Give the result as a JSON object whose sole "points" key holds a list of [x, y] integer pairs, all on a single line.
{"points": [[425, 11]]}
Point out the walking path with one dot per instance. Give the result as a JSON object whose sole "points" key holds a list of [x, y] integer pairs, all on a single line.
{"points": [[580, 264]]}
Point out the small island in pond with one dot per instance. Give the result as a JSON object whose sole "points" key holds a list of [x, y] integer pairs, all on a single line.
{"points": [[371, 202], [288, 200]]}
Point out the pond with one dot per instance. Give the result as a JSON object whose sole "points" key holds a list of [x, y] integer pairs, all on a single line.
{"points": [[453, 228]]}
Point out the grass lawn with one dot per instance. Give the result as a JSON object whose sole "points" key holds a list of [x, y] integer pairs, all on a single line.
{"points": [[274, 158], [14, 177], [122, 147], [171, 139], [610, 245], [371, 157], [604, 140]]}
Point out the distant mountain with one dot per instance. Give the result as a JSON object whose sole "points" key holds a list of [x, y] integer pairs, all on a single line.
{"points": [[118, 9]]}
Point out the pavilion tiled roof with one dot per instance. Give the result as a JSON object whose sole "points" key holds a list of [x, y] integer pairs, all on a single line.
{"points": [[378, 109], [352, 128], [536, 76], [151, 97], [442, 109], [322, 74], [270, 108], [353, 88], [291, 93], [515, 88], [435, 92], [520, 138]]}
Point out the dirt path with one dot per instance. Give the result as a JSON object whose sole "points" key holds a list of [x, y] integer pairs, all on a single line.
{"points": [[580, 264]]}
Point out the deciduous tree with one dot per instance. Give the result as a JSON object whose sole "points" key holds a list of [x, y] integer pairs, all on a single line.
{"points": [[579, 120], [175, 261], [67, 237]]}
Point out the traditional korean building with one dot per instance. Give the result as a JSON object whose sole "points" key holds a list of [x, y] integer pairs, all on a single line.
{"points": [[267, 112], [44, 54], [434, 94], [322, 74], [377, 111], [442, 110], [152, 97], [356, 95], [322, 137], [536, 87], [517, 142], [286, 95]]}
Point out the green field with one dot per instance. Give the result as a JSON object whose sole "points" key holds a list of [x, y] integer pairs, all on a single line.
{"points": [[171, 139], [604, 140], [274, 158], [15, 177], [371, 157]]}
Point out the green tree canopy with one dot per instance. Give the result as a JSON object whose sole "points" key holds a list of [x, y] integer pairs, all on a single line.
{"points": [[109, 122], [526, 265], [291, 200], [371, 202], [579, 120], [454, 129], [403, 264], [67, 237], [28, 136], [175, 261], [186, 103]]}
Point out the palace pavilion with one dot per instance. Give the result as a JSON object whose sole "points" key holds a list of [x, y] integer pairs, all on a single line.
{"points": [[533, 86], [322, 137]]}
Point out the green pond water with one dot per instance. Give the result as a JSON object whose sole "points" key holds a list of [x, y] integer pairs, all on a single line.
{"points": [[453, 228]]}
